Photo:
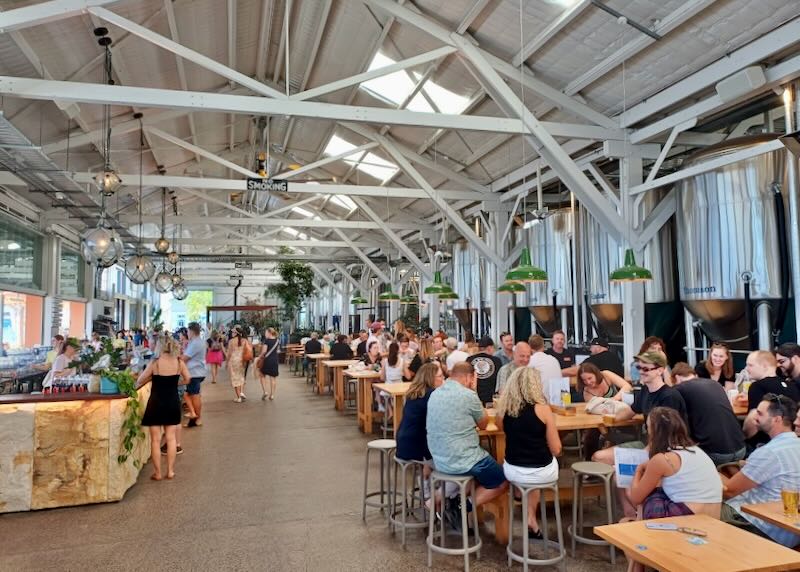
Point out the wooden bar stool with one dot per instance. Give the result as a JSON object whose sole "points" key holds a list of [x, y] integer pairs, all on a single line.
{"points": [[559, 545], [385, 449], [590, 470], [465, 483]]}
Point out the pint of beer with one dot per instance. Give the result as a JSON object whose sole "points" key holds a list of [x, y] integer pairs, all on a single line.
{"points": [[790, 498]]}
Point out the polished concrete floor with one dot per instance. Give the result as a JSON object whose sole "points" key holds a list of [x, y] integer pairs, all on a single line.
{"points": [[263, 485]]}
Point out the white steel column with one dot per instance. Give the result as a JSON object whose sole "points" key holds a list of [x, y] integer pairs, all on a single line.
{"points": [[632, 292], [498, 302], [791, 106]]}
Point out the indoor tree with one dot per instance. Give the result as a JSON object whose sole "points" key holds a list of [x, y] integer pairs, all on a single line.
{"points": [[297, 284]]}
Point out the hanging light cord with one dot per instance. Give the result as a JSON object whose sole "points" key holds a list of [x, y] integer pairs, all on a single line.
{"points": [[141, 168], [522, 111], [107, 111]]}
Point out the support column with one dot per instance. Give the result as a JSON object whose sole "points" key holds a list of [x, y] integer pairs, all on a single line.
{"points": [[51, 272], [792, 111], [344, 324], [632, 292], [498, 302]]}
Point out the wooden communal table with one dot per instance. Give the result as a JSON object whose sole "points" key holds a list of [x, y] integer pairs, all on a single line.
{"points": [[398, 392], [365, 377], [336, 367], [320, 369], [727, 547], [564, 423], [772, 512]]}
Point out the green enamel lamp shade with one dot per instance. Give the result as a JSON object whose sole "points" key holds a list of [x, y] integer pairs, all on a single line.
{"points": [[630, 271], [448, 296], [408, 300], [526, 272], [358, 298], [512, 288], [388, 296], [438, 287]]}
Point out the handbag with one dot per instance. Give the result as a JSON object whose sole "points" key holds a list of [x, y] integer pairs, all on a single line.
{"points": [[604, 406], [247, 352]]}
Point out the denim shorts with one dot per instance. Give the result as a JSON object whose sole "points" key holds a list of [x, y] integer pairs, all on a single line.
{"points": [[181, 391], [488, 473], [193, 387]]}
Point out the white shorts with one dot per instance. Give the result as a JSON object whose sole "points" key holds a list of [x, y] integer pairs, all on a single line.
{"points": [[531, 475]]}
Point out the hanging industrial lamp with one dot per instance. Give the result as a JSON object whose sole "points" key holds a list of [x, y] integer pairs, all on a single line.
{"points": [[388, 295], [512, 288], [630, 271], [438, 287], [180, 292], [108, 181], [358, 298], [409, 300], [448, 297], [526, 272], [101, 246]]}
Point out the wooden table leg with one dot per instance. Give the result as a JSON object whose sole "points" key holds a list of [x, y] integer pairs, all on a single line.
{"points": [[498, 508], [320, 376], [360, 404], [399, 401], [338, 389], [368, 398]]}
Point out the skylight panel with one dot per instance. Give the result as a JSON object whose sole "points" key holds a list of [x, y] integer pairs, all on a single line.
{"points": [[303, 212], [394, 87], [290, 230], [369, 163], [343, 201], [269, 250], [445, 100]]}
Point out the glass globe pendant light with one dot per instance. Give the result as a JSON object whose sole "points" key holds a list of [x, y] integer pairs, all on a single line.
{"points": [[173, 257], [163, 281], [180, 292], [140, 268], [101, 245], [108, 181]]}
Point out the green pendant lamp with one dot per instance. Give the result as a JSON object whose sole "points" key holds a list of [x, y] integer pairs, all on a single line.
{"points": [[438, 287], [630, 271], [358, 298], [388, 295], [448, 296], [512, 288], [409, 300], [526, 272]]}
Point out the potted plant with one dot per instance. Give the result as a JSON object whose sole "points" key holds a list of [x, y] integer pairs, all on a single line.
{"points": [[297, 284]]}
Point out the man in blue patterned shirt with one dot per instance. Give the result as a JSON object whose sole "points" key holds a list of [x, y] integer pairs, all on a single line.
{"points": [[770, 469]]}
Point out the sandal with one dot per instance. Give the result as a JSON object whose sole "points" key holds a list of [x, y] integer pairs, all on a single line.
{"points": [[155, 477]]}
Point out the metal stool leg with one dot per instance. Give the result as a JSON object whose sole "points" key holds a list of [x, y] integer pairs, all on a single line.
{"points": [[475, 523], [366, 479], [575, 483], [510, 521], [525, 530], [610, 510]]}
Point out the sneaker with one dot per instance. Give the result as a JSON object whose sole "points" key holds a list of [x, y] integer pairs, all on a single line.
{"points": [[198, 422], [192, 422], [264, 397], [179, 450], [271, 397], [237, 400], [243, 396]]}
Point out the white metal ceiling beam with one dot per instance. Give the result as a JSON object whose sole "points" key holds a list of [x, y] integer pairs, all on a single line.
{"points": [[776, 75], [533, 166], [267, 243], [186, 53], [382, 276], [657, 218], [546, 91], [346, 275], [471, 15], [710, 165], [208, 198], [752, 53], [544, 143], [448, 211], [289, 207], [420, 59], [45, 12], [264, 33], [261, 221], [311, 166], [684, 13], [538, 41], [387, 227], [200, 151], [251, 105], [211, 184], [325, 276], [231, 13]]}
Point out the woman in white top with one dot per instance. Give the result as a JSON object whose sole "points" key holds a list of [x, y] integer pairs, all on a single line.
{"points": [[391, 372], [689, 483], [60, 367]]}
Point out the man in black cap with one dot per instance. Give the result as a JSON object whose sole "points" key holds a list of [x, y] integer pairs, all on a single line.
{"points": [[486, 366], [604, 359]]}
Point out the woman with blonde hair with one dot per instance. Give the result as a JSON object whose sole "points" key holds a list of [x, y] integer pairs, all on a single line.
{"points": [[267, 363], [163, 411], [532, 442]]}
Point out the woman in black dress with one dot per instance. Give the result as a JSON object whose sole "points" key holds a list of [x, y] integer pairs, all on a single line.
{"points": [[163, 409], [268, 363]]}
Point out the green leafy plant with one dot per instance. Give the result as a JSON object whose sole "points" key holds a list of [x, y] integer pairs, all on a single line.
{"points": [[155, 320], [297, 284], [132, 425]]}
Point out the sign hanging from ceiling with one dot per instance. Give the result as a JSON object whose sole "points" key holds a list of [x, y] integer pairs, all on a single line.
{"points": [[243, 265], [259, 184]]}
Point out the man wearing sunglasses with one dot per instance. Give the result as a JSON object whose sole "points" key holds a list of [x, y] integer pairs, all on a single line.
{"points": [[769, 470]]}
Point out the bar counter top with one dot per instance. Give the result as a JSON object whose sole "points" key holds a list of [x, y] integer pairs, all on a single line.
{"points": [[55, 397]]}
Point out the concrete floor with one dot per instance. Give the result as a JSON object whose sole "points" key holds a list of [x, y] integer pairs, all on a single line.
{"points": [[261, 486]]}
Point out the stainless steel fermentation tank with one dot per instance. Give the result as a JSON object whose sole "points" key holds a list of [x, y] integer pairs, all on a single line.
{"points": [[601, 254], [550, 303], [733, 256], [470, 282]]}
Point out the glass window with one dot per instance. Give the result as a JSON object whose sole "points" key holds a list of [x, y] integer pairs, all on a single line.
{"points": [[20, 256], [70, 281], [22, 320]]}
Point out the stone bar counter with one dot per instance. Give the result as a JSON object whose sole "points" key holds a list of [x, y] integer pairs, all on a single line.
{"points": [[61, 450]]}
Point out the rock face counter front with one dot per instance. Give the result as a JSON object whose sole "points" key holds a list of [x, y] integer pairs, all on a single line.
{"points": [[61, 450]]}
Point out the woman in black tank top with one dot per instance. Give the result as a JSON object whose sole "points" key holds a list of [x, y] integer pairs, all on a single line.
{"points": [[163, 407], [532, 441]]}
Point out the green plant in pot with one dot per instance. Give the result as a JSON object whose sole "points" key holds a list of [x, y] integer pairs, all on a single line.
{"points": [[297, 284]]}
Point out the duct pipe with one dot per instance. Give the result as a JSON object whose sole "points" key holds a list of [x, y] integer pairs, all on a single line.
{"points": [[565, 321], [763, 323], [235, 297], [688, 324], [789, 102]]}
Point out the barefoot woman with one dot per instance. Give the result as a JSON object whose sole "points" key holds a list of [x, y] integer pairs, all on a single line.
{"points": [[164, 407]]}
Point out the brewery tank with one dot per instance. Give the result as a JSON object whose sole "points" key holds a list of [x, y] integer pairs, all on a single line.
{"points": [[469, 278], [549, 243], [602, 254], [730, 225]]}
